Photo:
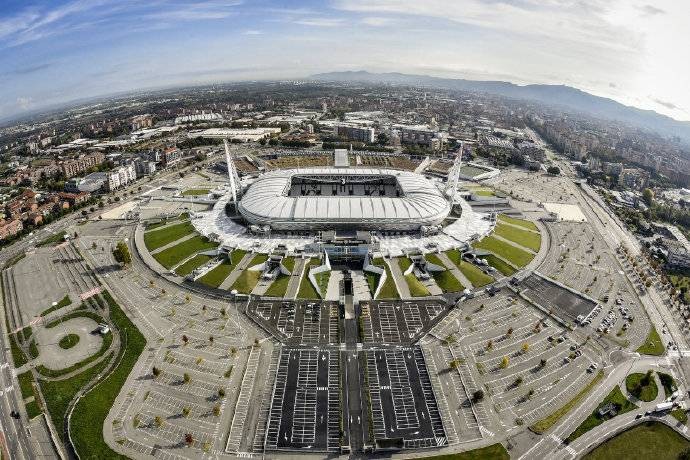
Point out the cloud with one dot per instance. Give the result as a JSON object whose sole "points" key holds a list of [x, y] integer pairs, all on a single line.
{"points": [[197, 12], [651, 10], [252, 32], [668, 105], [29, 70], [319, 22], [377, 21]]}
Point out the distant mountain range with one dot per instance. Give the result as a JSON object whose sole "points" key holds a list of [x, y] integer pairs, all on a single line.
{"points": [[559, 95]]}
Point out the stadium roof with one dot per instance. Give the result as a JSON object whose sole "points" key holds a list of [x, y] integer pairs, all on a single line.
{"points": [[267, 202]]}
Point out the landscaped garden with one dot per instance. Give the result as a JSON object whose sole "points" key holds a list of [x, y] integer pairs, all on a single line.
{"points": [[620, 404], [68, 341], [174, 255], [649, 440], [642, 386], [653, 345], [217, 275]]}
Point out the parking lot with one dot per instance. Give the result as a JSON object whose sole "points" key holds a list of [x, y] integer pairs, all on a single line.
{"points": [[399, 322], [305, 409], [298, 322], [524, 364], [404, 410], [564, 303]]}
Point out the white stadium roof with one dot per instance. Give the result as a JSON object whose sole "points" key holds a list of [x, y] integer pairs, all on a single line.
{"points": [[266, 202]]}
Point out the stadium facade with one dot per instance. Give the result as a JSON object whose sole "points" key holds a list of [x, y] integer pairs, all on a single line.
{"points": [[312, 199]]}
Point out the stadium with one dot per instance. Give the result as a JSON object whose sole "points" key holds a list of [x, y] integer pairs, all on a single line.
{"points": [[335, 199]]}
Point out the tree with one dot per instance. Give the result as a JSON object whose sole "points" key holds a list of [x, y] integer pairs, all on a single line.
{"points": [[185, 411], [186, 378], [185, 339], [504, 362], [223, 312], [189, 439], [211, 339], [158, 421], [382, 139], [216, 410], [542, 363], [509, 332], [454, 364], [221, 392], [257, 342], [155, 371], [525, 347], [553, 170], [121, 253], [518, 381], [233, 351], [489, 345], [648, 196], [477, 396]]}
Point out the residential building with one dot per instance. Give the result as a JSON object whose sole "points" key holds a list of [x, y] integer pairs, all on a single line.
{"points": [[142, 121], [76, 166], [144, 167], [171, 157], [421, 135], [10, 227], [354, 133]]}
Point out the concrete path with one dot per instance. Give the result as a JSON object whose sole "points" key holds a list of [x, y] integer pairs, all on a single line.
{"points": [[360, 286], [241, 266], [293, 284], [399, 279], [333, 291], [454, 270], [431, 286]]}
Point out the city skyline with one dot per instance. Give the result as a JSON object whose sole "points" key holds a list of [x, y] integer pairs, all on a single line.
{"points": [[56, 52]]}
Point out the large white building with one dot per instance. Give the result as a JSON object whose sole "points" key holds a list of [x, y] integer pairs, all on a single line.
{"points": [[355, 199]]}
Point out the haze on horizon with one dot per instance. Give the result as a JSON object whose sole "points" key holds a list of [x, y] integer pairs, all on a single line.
{"points": [[54, 52]]}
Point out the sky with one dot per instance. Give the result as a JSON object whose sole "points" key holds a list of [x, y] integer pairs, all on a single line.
{"points": [[57, 51]]}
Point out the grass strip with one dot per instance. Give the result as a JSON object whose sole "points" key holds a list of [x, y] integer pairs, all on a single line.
{"points": [[306, 289], [175, 254], [492, 452], [192, 264], [647, 440], [86, 425], [155, 239], [388, 290], [524, 238], [521, 222], [653, 345], [512, 254], [544, 424], [65, 301], [615, 397], [215, 277]]}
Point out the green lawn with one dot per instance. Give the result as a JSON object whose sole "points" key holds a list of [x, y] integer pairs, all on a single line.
{"points": [[166, 222], [492, 452], [517, 257], [237, 255], [176, 254], [622, 406], [524, 238], [52, 239], [289, 263], [635, 386], [58, 393], [372, 281], [547, 422], [500, 265], [521, 222], [434, 259], [322, 281], [680, 415], [306, 290], [65, 301], [648, 440], [86, 425], [278, 288], [447, 281], [668, 382], [155, 239], [388, 291], [18, 355], [474, 274], [653, 345], [192, 264], [215, 277], [417, 289], [68, 341], [680, 281], [195, 192], [245, 283], [25, 381]]}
